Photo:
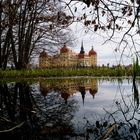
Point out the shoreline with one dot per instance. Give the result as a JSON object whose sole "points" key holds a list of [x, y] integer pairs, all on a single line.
{"points": [[67, 73]]}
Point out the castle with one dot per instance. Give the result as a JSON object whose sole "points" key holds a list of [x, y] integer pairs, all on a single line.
{"points": [[68, 58]]}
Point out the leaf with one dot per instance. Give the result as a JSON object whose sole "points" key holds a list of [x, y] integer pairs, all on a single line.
{"points": [[84, 8], [94, 21], [103, 28], [109, 26], [87, 2], [129, 22], [103, 13], [117, 26], [84, 16], [129, 14], [120, 28], [95, 27], [124, 10], [75, 10], [86, 23]]}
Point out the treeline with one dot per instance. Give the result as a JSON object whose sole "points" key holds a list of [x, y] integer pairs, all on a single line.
{"points": [[98, 72]]}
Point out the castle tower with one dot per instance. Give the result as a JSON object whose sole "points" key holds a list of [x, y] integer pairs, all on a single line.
{"points": [[64, 49], [81, 56], [93, 57]]}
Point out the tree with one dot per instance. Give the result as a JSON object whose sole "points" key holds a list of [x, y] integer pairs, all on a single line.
{"points": [[118, 19], [26, 25]]}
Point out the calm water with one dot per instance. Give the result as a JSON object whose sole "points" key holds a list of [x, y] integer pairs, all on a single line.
{"points": [[62, 108]]}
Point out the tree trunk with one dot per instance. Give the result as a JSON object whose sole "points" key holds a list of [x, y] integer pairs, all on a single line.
{"points": [[0, 34]]}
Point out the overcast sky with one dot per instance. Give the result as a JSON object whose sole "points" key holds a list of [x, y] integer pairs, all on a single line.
{"points": [[105, 51]]}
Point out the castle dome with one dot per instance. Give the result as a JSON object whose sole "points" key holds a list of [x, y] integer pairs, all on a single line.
{"points": [[43, 54], [64, 49], [92, 52]]}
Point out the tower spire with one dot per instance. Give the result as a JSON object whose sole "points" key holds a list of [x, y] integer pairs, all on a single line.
{"points": [[82, 48]]}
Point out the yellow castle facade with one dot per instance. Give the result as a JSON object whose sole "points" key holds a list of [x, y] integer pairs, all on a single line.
{"points": [[68, 58]]}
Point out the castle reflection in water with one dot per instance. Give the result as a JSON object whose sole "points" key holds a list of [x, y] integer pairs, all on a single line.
{"points": [[68, 87]]}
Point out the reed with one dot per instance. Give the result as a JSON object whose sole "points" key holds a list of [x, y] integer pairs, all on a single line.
{"points": [[98, 72]]}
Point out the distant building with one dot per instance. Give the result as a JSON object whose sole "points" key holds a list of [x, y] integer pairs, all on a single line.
{"points": [[68, 58]]}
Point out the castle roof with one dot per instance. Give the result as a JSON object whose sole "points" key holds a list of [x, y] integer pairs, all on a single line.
{"points": [[43, 54], [64, 49], [81, 55], [92, 52]]}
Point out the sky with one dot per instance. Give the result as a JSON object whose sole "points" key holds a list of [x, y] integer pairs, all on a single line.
{"points": [[106, 52]]}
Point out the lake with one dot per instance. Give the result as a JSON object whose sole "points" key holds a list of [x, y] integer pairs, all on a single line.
{"points": [[68, 108]]}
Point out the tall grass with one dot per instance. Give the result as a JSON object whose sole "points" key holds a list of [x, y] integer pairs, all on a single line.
{"points": [[99, 72]]}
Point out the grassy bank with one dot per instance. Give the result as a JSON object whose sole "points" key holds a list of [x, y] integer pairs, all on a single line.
{"points": [[98, 72]]}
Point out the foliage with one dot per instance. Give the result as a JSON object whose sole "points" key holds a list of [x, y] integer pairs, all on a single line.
{"points": [[66, 72], [28, 25], [115, 21]]}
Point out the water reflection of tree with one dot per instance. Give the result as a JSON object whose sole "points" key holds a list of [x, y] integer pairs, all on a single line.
{"points": [[126, 117], [16, 108], [57, 112], [15, 97], [21, 103]]}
